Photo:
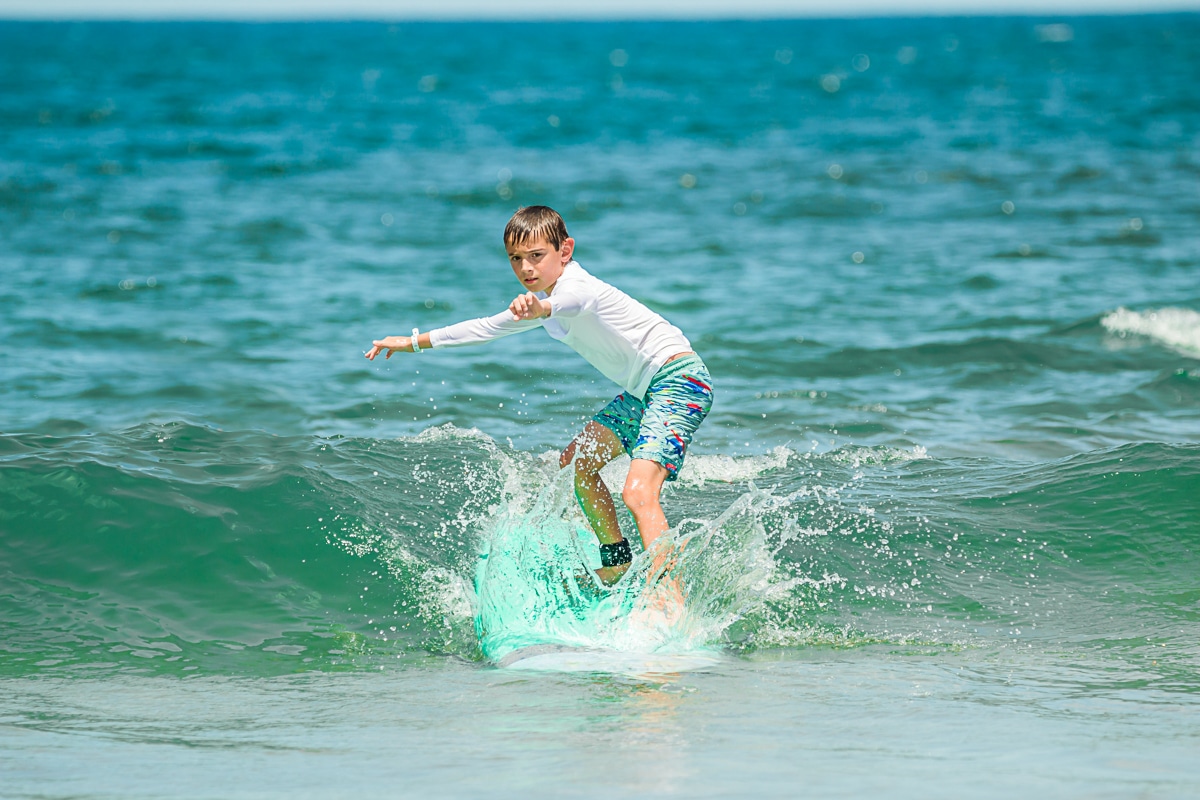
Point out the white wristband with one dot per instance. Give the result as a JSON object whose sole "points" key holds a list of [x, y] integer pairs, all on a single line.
{"points": [[416, 344]]}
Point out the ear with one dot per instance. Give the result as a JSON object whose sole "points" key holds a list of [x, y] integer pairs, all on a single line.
{"points": [[567, 249]]}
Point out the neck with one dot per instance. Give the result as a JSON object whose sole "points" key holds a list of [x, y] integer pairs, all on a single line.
{"points": [[550, 288]]}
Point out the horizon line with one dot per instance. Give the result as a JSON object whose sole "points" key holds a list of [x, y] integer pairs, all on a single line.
{"points": [[627, 11], [845, 14]]}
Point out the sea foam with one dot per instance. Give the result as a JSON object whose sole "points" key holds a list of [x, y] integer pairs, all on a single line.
{"points": [[1177, 328]]}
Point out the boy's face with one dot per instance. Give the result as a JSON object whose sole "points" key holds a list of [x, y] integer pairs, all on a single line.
{"points": [[536, 263]]}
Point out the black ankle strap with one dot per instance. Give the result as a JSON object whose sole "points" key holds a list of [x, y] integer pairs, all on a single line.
{"points": [[615, 554]]}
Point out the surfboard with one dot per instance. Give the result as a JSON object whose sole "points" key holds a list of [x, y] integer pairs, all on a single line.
{"points": [[566, 658]]}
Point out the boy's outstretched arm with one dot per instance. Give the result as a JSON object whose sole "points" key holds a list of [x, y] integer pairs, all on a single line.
{"points": [[472, 331], [396, 343]]}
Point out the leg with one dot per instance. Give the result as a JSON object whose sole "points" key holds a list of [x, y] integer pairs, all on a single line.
{"points": [[590, 451], [676, 404], [642, 490], [641, 494]]}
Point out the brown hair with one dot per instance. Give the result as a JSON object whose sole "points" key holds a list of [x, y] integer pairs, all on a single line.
{"points": [[536, 222]]}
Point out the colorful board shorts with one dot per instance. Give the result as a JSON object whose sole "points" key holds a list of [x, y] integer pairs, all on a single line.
{"points": [[659, 426]]}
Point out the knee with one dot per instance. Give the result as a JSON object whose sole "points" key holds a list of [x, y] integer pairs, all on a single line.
{"points": [[636, 495], [584, 466]]}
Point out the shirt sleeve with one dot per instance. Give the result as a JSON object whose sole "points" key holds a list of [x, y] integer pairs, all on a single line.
{"points": [[568, 302], [477, 331]]}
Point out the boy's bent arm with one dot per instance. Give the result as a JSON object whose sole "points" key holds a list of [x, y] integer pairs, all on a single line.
{"points": [[568, 302]]}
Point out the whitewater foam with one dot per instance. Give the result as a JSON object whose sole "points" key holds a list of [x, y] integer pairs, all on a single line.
{"points": [[1177, 328]]}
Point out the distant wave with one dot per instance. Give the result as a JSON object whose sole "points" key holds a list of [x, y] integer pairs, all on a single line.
{"points": [[1177, 328]]}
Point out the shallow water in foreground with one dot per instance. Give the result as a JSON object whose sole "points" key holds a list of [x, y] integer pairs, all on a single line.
{"points": [[815, 723], [941, 525]]}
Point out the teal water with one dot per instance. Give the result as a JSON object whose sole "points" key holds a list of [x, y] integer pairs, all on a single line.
{"points": [[941, 525]]}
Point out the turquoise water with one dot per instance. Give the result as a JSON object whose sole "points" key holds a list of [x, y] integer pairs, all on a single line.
{"points": [[940, 527]]}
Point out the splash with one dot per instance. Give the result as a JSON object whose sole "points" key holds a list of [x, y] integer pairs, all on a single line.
{"points": [[535, 586], [534, 583]]}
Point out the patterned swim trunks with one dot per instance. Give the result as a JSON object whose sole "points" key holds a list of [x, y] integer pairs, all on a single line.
{"points": [[659, 426]]}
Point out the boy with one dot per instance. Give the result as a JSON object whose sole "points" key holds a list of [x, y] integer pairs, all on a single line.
{"points": [[668, 391]]}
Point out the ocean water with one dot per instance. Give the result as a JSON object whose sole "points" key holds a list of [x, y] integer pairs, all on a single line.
{"points": [[939, 532]]}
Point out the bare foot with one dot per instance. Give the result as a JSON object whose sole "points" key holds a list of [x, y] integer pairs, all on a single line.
{"points": [[665, 556], [610, 575]]}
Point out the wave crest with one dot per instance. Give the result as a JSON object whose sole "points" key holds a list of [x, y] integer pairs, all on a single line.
{"points": [[1177, 328]]}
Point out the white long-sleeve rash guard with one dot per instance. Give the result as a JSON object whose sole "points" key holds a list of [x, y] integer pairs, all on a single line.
{"points": [[616, 334]]}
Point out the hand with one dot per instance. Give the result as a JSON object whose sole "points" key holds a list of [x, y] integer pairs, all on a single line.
{"points": [[528, 306], [391, 344]]}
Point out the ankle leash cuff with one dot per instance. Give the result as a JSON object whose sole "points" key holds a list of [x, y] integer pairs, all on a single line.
{"points": [[615, 554]]}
